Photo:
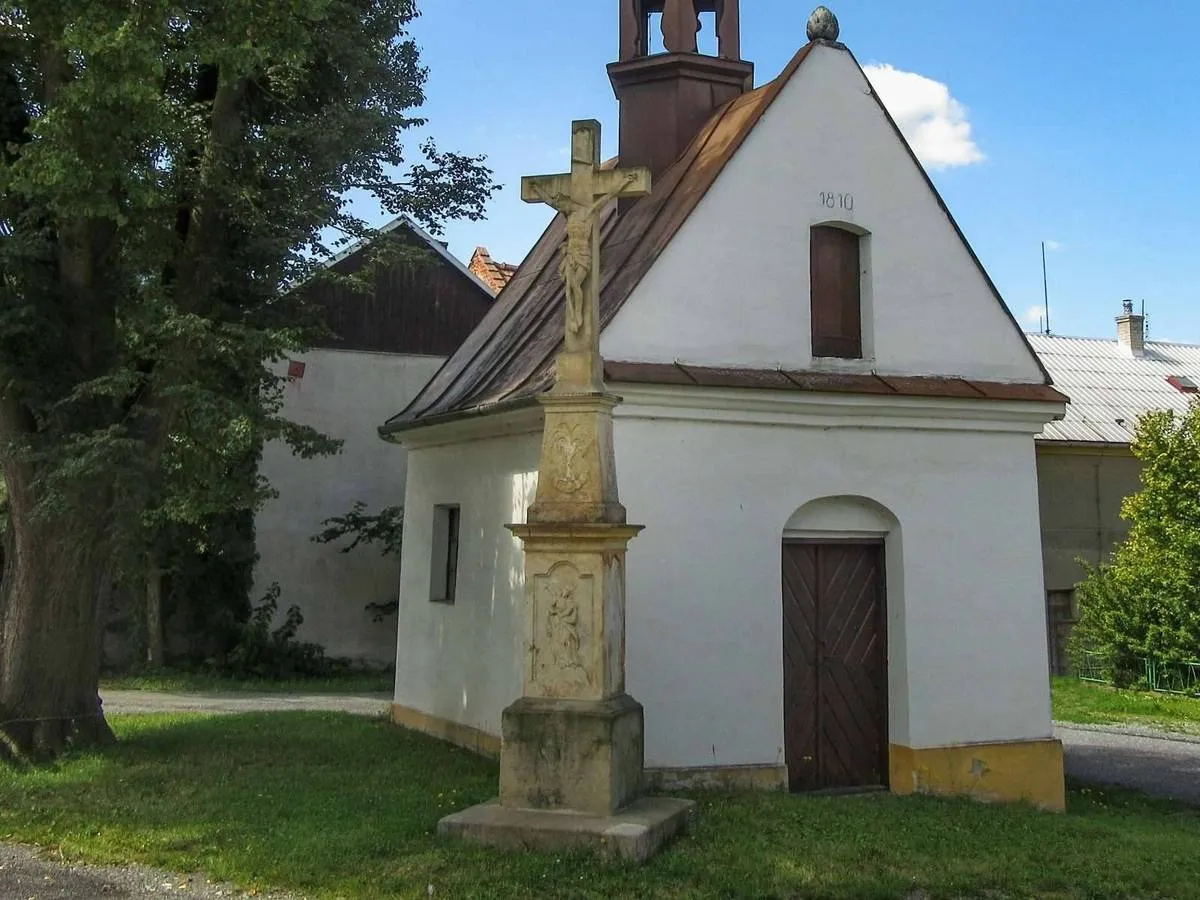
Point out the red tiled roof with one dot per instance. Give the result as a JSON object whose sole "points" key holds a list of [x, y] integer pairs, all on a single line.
{"points": [[495, 275]]}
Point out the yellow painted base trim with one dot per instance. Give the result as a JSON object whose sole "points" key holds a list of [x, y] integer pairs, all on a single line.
{"points": [[718, 778], [1029, 771], [456, 733]]}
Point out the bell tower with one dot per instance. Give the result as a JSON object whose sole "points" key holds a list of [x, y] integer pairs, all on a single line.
{"points": [[667, 97]]}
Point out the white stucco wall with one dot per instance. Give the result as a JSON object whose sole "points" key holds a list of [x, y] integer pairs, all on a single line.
{"points": [[967, 650], [462, 662], [345, 394], [716, 490], [732, 286]]}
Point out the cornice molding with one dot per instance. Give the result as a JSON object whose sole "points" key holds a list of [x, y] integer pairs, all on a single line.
{"points": [[851, 411]]}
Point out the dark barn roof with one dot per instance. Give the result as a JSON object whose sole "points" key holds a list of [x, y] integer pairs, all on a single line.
{"points": [[509, 359], [423, 308]]}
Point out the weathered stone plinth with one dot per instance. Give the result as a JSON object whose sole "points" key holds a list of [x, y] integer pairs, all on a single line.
{"points": [[634, 834], [580, 755], [577, 477], [574, 610]]}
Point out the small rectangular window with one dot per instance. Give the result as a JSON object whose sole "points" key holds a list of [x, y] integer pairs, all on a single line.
{"points": [[443, 568], [835, 289]]}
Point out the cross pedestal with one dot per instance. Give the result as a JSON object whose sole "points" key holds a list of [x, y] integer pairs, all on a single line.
{"points": [[571, 760], [574, 739]]}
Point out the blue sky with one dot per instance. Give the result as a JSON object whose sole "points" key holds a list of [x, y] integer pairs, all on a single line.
{"points": [[1075, 122]]}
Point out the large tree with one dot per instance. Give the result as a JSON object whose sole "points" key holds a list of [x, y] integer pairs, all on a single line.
{"points": [[167, 169]]}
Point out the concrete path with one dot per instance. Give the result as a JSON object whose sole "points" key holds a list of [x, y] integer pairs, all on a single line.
{"points": [[1158, 763], [156, 702], [25, 874]]}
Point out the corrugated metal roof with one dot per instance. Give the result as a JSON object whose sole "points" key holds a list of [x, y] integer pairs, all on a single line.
{"points": [[1109, 388]]}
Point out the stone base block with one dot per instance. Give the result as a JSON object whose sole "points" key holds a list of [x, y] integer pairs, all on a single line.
{"points": [[636, 833], [585, 756]]}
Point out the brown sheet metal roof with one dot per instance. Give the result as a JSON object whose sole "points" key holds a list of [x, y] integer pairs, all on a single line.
{"points": [[511, 354], [510, 357]]}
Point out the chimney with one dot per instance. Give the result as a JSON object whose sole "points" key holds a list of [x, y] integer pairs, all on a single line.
{"points": [[667, 97], [1131, 331]]}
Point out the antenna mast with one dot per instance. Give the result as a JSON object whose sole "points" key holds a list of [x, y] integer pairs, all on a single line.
{"points": [[1045, 290]]}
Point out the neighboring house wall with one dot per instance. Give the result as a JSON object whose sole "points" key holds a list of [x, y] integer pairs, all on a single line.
{"points": [[716, 480], [343, 394], [387, 343], [1081, 490]]}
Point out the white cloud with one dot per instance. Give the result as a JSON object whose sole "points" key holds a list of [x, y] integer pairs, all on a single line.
{"points": [[932, 121], [1036, 315]]}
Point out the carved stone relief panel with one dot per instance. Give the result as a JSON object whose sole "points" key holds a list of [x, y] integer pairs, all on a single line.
{"points": [[573, 448], [564, 634]]}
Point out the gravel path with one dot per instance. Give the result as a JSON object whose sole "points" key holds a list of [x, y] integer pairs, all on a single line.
{"points": [[24, 875], [155, 702], [1165, 765]]}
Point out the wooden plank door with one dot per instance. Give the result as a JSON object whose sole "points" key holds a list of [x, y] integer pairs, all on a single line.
{"points": [[835, 665]]}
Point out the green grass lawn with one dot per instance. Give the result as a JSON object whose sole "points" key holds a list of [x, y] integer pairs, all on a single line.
{"points": [[1097, 704], [199, 682], [337, 806]]}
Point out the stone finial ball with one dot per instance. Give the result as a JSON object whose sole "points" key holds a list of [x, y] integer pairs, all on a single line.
{"points": [[823, 25]]}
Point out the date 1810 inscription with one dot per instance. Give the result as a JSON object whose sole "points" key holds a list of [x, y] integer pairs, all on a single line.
{"points": [[837, 201]]}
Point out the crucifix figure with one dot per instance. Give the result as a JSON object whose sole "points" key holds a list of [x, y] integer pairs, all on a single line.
{"points": [[580, 195]]}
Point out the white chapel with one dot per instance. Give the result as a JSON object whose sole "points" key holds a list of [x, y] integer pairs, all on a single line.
{"points": [[826, 428]]}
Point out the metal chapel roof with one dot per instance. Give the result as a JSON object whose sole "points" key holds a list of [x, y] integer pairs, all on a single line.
{"points": [[1109, 387], [509, 359]]}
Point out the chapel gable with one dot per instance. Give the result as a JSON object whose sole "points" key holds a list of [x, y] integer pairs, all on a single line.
{"points": [[790, 239], [843, 257]]}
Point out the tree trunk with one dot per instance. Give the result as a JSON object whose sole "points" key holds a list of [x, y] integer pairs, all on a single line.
{"points": [[154, 630], [55, 581]]}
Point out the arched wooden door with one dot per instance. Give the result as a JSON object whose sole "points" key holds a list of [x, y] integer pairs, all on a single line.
{"points": [[835, 665]]}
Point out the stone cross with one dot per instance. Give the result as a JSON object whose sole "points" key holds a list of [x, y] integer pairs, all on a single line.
{"points": [[581, 195], [573, 742]]}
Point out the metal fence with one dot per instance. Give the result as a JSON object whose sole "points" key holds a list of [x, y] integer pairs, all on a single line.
{"points": [[1163, 677]]}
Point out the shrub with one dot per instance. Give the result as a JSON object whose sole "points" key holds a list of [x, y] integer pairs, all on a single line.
{"points": [[265, 652], [1145, 601]]}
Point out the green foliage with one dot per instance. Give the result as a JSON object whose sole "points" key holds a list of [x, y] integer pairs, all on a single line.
{"points": [[261, 651], [210, 573], [167, 172], [1145, 601], [385, 529]]}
